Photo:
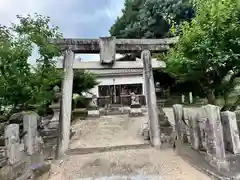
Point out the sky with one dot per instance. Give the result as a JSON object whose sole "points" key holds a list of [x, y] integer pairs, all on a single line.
{"points": [[75, 18]]}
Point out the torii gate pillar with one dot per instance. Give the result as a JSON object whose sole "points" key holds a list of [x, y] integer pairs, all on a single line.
{"points": [[66, 103], [153, 123]]}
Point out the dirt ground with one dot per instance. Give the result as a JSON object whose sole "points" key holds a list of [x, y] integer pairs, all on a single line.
{"points": [[120, 130]]}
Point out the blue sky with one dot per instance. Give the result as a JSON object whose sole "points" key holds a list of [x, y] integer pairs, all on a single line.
{"points": [[76, 18]]}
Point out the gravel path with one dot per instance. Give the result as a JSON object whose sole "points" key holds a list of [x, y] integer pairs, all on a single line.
{"points": [[108, 131], [121, 130]]}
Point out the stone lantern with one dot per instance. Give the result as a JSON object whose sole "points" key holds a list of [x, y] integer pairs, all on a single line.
{"points": [[93, 110], [136, 109], [56, 105]]}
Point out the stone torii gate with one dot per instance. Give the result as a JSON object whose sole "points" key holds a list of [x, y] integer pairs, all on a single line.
{"points": [[108, 47]]}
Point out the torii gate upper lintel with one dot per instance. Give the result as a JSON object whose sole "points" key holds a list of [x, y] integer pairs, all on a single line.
{"points": [[91, 46]]}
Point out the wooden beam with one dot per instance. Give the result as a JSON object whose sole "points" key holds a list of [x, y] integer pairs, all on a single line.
{"points": [[122, 45]]}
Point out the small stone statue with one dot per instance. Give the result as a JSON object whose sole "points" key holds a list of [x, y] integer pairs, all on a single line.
{"points": [[57, 94], [135, 108], [56, 89], [94, 101], [134, 98]]}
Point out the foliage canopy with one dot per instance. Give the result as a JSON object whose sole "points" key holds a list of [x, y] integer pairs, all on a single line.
{"points": [[150, 18], [208, 49]]}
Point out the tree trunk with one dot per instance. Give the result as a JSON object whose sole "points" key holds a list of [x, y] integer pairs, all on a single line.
{"points": [[211, 97]]}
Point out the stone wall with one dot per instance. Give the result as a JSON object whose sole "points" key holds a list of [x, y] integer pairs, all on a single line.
{"points": [[211, 132]]}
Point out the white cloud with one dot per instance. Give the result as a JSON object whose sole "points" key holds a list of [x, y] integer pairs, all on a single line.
{"points": [[10, 8], [68, 15]]}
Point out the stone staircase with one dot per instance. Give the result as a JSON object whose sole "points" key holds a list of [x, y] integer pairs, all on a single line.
{"points": [[137, 177], [114, 109]]}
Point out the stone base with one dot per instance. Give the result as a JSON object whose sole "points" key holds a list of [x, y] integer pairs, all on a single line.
{"points": [[53, 125], [92, 108], [41, 171], [145, 134], [220, 165], [93, 113], [124, 110], [79, 113], [135, 112], [135, 106]]}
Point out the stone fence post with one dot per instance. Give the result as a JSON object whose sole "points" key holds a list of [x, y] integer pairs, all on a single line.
{"points": [[180, 127], [216, 155], [12, 143], [30, 121], [194, 130], [230, 132]]}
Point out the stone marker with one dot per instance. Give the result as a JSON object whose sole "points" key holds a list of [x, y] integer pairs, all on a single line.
{"points": [[180, 127], [183, 99], [30, 120], [12, 143], [190, 98], [230, 131], [194, 130], [186, 116], [216, 155], [202, 135]]}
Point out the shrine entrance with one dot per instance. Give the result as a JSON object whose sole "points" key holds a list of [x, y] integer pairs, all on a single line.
{"points": [[116, 91], [108, 47]]}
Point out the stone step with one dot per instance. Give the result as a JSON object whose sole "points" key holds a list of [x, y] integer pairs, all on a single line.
{"points": [[137, 177], [79, 151]]}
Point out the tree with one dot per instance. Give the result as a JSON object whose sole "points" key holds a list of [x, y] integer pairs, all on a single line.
{"points": [[208, 48], [151, 18], [83, 81], [22, 85]]}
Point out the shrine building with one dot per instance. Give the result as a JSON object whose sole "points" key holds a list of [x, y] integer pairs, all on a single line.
{"points": [[121, 78]]}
